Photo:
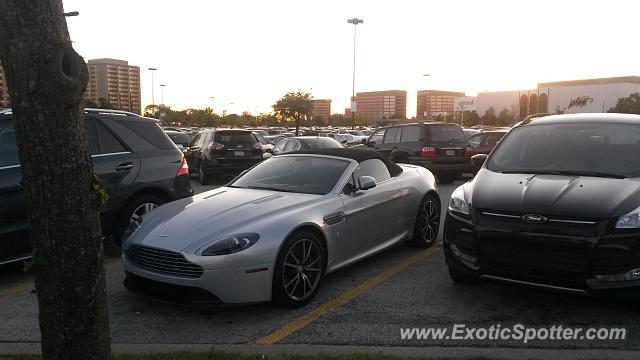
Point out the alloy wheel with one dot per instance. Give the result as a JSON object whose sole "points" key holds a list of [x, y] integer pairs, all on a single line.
{"points": [[302, 269], [141, 210], [430, 219]]}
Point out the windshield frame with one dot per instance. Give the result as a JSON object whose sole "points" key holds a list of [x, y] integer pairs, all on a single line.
{"points": [[336, 189]]}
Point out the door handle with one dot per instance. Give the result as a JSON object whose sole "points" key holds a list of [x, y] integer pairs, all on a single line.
{"points": [[124, 167]]}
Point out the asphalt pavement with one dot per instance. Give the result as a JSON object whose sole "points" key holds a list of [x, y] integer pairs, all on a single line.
{"points": [[363, 305]]}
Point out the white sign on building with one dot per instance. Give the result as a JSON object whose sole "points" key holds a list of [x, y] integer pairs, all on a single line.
{"points": [[465, 103]]}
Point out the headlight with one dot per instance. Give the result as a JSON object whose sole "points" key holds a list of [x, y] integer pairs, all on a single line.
{"points": [[457, 203], [629, 221], [228, 244]]}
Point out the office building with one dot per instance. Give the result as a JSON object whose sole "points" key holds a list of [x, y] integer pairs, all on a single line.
{"points": [[321, 109], [116, 82], [381, 106], [434, 103]]}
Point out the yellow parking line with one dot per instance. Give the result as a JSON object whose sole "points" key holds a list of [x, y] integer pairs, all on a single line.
{"points": [[342, 299]]}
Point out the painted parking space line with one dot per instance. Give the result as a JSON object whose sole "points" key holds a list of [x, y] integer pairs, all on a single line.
{"points": [[29, 285], [342, 299]]}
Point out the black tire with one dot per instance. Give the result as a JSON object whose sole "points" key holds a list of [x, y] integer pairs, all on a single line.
{"points": [[427, 224], [461, 277], [204, 177], [286, 288], [133, 206]]}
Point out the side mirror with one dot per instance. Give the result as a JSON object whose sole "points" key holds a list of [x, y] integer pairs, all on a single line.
{"points": [[478, 160], [269, 150], [364, 141], [366, 182], [370, 143], [267, 155]]}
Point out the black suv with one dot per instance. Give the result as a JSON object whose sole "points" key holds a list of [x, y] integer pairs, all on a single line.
{"points": [[219, 151], [439, 147], [138, 164]]}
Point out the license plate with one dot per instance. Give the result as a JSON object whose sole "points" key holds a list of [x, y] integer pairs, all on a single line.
{"points": [[449, 152], [238, 153]]}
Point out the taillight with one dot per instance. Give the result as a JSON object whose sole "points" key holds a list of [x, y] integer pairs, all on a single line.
{"points": [[215, 146], [428, 152], [183, 169]]}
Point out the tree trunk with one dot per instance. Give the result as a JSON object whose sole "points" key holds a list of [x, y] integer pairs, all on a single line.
{"points": [[46, 80], [297, 125]]}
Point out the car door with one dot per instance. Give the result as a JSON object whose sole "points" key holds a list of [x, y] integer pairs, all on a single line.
{"points": [[14, 226], [116, 166], [193, 152], [375, 140], [373, 216]]}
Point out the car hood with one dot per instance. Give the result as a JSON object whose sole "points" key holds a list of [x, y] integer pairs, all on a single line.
{"points": [[223, 211], [569, 196]]}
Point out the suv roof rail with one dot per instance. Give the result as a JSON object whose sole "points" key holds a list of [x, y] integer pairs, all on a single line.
{"points": [[110, 111]]}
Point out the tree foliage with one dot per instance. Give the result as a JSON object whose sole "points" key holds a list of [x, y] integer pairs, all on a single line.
{"points": [[627, 105], [294, 106]]}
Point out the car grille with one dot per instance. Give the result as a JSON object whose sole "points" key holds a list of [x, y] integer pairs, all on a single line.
{"points": [[163, 261]]}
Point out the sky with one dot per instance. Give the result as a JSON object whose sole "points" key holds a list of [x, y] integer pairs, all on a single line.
{"points": [[248, 53]]}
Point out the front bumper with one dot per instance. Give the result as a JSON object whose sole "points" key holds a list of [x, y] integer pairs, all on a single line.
{"points": [[548, 266], [213, 287]]}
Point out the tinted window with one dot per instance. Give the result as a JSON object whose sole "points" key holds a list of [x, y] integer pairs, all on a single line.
{"points": [[377, 136], [374, 168], [476, 140], [292, 145], [280, 146], [151, 132], [447, 135], [303, 174], [322, 143], [196, 139], [233, 138], [261, 139], [410, 134], [180, 138], [8, 146], [604, 148], [108, 143], [391, 136], [92, 136], [493, 138]]}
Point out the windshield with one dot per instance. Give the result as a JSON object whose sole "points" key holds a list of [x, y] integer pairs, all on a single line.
{"points": [[300, 174], [322, 143], [446, 135], [595, 149]]}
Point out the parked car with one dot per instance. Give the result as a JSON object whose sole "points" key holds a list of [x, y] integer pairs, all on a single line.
{"points": [[220, 151], [556, 205], [305, 143], [471, 132], [484, 142], [266, 146], [439, 147], [138, 164], [275, 231], [274, 139], [179, 138]]}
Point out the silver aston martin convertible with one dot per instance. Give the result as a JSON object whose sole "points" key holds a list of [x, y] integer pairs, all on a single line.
{"points": [[274, 231]]}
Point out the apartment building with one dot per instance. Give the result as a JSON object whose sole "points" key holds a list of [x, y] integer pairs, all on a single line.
{"points": [[433, 103], [116, 82], [381, 106]]}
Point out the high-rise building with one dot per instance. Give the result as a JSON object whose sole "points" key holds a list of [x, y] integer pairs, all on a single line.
{"points": [[116, 82], [4, 91], [321, 109], [381, 106], [432, 103]]}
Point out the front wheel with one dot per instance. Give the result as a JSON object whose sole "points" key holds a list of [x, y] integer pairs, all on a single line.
{"points": [[427, 222], [133, 210], [298, 270]]}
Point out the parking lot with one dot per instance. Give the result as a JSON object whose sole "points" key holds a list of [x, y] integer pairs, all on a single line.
{"points": [[364, 304]]}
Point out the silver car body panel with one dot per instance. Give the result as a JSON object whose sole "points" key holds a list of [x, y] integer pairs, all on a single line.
{"points": [[354, 226]]}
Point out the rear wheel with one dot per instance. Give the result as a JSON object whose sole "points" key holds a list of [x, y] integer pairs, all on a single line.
{"points": [[204, 177], [133, 210], [427, 222], [298, 270]]}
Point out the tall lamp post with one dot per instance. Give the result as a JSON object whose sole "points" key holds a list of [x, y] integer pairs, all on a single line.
{"points": [[162, 94], [153, 99], [355, 22]]}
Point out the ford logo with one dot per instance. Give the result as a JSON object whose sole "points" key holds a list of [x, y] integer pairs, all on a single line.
{"points": [[534, 218]]}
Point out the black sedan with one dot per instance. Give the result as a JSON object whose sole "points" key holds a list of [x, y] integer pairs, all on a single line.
{"points": [[556, 205]]}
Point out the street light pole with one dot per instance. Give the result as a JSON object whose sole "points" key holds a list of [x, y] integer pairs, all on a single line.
{"points": [[162, 94], [355, 22], [153, 99]]}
